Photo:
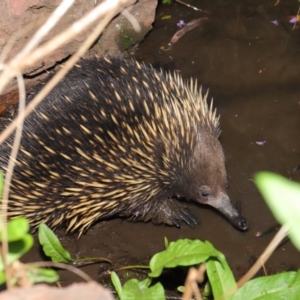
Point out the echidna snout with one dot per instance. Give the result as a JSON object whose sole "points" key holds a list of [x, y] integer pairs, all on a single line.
{"points": [[118, 138]]}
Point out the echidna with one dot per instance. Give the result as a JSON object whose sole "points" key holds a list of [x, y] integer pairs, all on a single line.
{"points": [[118, 138]]}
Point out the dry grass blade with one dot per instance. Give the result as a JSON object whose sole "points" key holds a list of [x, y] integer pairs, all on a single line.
{"points": [[8, 175], [192, 7], [70, 268], [281, 234]]}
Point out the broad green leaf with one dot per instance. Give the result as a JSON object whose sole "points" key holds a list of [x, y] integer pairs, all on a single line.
{"points": [[36, 275], [52, 246], [137, 290], [220, 276], [183, 252], [117, 283], [283, 198], [16, 229], [273, 287], [17, 249]]}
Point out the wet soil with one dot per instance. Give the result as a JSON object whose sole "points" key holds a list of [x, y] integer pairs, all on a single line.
{"points": [[251, 67]]}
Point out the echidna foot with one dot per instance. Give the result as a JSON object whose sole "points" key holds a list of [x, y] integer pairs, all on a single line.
{"points": [[167, 211], [172, 212]]}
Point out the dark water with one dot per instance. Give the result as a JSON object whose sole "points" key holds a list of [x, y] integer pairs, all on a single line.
{"points": [[252, 69]]}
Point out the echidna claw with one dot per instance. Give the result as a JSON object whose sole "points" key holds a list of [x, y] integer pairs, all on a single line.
{"points": [[188, 217], [176, 223]]}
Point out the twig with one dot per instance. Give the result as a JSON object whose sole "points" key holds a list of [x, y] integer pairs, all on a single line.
{"points": [[70, 268], [193, 7], [8, 175], [132, 20], [297, 16], [191, 286], [188, 27], [281, 234]]}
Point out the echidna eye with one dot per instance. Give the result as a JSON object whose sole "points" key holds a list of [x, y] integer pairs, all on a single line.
{"points": [[205, 191]]}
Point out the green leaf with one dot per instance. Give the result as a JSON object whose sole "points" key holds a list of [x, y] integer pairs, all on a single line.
{"points": [[220, 276], [181, 289], [117, 283], [137, 290], [52, 246], [282, 197], [145, 283], [207, 293], [17, 249], [166, 242], [274, 287], [16, 229], [183, 252], [36, 275], [2, 277]]}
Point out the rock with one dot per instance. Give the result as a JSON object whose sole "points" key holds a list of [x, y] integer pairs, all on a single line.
{"points": [[76, 291], [30, 15]]}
